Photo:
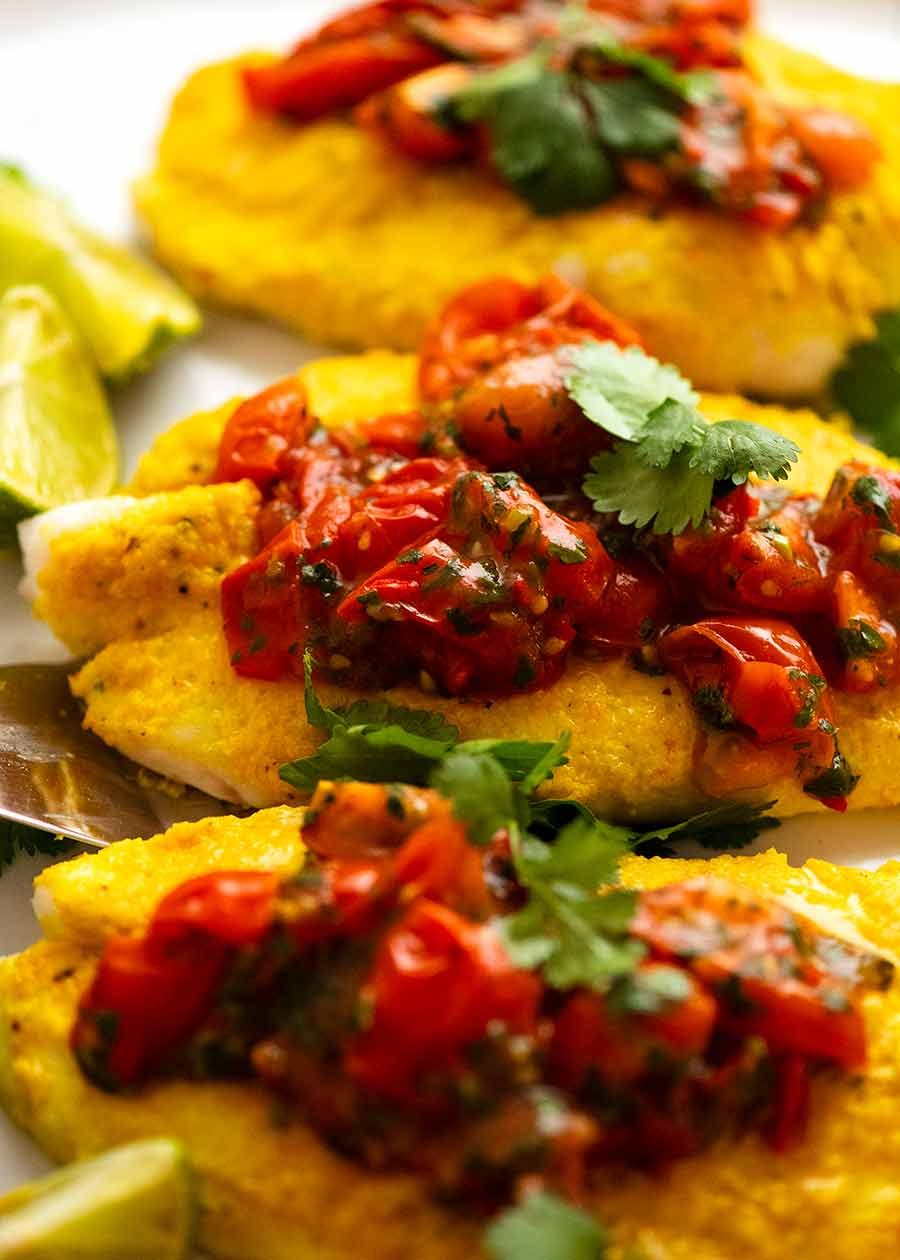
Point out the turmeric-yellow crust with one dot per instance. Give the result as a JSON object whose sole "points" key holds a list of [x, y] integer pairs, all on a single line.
{"points": [[274, 1192], [324, 228]]}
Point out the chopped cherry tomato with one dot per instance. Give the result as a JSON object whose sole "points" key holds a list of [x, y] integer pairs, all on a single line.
{"points": [[439, 981], [636, 606], [408, 115], [590, 1039], [348, 899], [403, 432], [439, 862], [860, 522], [233, 907], [144, 1002], [844, 150], [728, 939], [319, 79], [498, 319], [791, 1103], [761, 676], [491, 601], [367, 820], [493, 349], [260, 431], [741, 560], [263, 609], [867, 641]]}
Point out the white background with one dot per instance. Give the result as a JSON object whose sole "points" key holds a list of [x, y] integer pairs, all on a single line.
{"points": [[83, 93]]}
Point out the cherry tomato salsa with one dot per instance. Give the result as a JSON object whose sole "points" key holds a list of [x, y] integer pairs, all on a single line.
{"points": [[452, 547], [373, 994], [706, 129]]}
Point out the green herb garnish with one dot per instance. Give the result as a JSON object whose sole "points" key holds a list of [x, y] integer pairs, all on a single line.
{"points": [[665, 469], [867, 385], [860, 639], [380, 742], [870, 493], [567, 928]]}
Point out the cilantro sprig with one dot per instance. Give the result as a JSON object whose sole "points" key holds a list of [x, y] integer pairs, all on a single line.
{"points": [[380, 742], [562, 853], [15, 839], [569, 930], [558, 128], [664, 468], [867, 384]]}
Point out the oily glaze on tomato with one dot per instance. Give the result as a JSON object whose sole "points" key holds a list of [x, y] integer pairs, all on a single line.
{"points": [[374, 993], [494, 350], [760, 675]]}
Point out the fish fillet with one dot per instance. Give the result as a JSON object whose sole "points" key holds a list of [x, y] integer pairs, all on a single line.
{"points": [[162, 690], [324, 229], [274, 1192]]}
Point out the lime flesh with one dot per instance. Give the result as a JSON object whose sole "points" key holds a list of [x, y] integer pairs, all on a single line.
{"points": [[132, 1203], [125, 308], [57, 440]]}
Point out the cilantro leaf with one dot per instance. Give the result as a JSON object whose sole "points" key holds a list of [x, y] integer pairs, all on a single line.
{"points": [[545, 1227], [352, 754], [530, 760], [671, 498], [633, 115], [16, 838], [870, 492], [665, 471], [542, 139], [867, 384], [733, 449], [370, 740], [619, 389], [670, 428], [481, 791], [859, 639], [380, 742], [666, 476], [731, 826], [575, 933]]}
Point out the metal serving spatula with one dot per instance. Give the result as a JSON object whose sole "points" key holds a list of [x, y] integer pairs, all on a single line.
{"points": [[60, 778]]}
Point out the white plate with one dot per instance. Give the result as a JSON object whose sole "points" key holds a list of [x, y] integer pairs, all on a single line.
{"points": [[83, 90]]}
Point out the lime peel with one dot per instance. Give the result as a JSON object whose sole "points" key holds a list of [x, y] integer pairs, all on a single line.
{"points": [[133, 1202], [126, 309], [57, 438]]}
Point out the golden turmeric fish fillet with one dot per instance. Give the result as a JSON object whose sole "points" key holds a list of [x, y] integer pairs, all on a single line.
{"points": [[321, 227], [161, 688], [138, 587], [273, 1191]]}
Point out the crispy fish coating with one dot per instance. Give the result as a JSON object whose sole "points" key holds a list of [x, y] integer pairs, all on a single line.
{"points": [[166, 694], [272, 1191], [320, 227], [126, 567]]}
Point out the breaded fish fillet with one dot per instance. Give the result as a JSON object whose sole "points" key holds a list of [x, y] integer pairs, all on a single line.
{"points": [[272, 1191], [323, 228], [162, 689]]}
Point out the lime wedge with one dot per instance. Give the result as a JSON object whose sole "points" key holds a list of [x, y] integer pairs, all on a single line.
{"points": [[57, 441], [126, 310], [132, 1203]]}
